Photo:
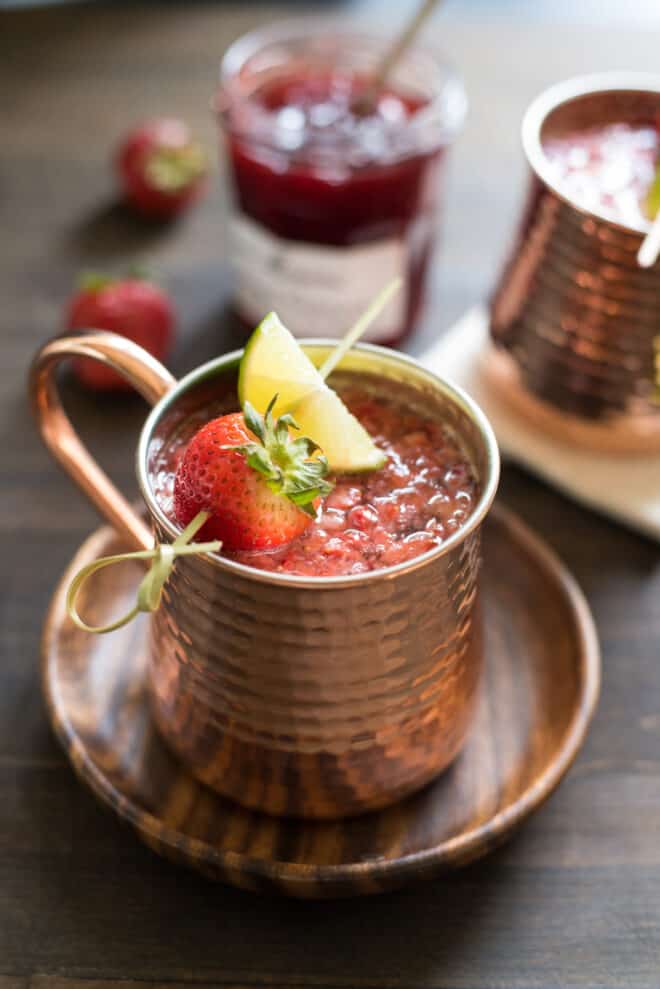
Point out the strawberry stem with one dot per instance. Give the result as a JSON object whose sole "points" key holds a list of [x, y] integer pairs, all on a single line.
{"points": [[94, 281], [151, 586], [293, 468], [172, 169]]}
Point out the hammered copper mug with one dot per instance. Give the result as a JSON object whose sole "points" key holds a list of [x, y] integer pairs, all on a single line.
{"points": [[575, 322], [309, 696]]}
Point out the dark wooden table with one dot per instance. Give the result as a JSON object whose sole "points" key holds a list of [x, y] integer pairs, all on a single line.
{"points": [[574, 899]]}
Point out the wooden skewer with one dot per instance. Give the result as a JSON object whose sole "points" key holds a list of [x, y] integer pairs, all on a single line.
{"points": [[358, 328], [365, 103], [650, 249]]}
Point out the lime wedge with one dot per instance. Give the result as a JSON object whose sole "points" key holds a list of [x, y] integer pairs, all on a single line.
{"points": [[274, 364], [653, 197], [323, 417]]}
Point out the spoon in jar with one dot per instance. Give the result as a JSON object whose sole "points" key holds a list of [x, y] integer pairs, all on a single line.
{"points": [[365, 103]]}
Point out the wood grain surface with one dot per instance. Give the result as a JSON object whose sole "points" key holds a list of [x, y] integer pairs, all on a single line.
{"points": [[538, 694], [574, 899]]}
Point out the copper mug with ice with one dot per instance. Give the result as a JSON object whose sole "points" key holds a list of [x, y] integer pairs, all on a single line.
{"points": [[575, 321]]}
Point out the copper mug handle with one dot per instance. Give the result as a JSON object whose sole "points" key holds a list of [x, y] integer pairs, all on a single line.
{"points": [[141, 370]]}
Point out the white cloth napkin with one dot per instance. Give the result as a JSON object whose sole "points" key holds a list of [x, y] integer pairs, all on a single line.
{"points": [[626, 488]]}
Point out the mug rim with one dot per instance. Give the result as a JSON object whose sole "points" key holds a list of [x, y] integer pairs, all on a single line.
{"points": [[621, 81], [450, 391]]}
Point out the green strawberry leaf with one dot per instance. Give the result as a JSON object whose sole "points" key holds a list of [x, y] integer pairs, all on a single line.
{"points": [[94, 281], [254, 421], [303, 446], [258, 460], [287, 465], [172, 169]]}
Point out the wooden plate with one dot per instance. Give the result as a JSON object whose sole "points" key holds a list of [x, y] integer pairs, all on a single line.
{"points": [[539, 693]]}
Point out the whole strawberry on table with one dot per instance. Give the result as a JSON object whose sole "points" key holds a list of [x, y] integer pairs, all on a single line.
{"points": [[134, 307], [162, 169]]}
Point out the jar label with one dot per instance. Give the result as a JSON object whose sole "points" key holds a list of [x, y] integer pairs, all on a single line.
{"points": [[316, 290]]}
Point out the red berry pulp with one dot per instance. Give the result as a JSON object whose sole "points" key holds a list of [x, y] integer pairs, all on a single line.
{"points": [[326, 175], [607, 170], [423, 495]]}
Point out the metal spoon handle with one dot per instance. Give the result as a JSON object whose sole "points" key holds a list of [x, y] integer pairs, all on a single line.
{"points": [[398, 48]]}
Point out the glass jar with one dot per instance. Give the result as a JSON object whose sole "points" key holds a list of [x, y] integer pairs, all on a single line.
{"points": [[329, 203]]}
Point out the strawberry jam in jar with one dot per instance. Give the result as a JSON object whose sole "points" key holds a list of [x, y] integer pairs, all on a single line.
{"points": [[332, 197]]}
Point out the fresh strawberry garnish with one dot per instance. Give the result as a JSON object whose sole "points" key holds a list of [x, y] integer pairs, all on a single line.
{"points": [[161, 168], [258, 484], [134, 308]]}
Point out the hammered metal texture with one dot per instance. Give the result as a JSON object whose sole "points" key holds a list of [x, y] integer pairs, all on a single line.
{"points": [[575, 317], [318, 702], [322, 700]]}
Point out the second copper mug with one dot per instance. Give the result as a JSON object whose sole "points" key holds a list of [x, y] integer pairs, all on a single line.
{"points": [[308, 696], [575, 322]]}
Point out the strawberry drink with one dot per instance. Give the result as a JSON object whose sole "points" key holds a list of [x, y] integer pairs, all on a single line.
{"points": [[608, 169], [369, 520]]}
